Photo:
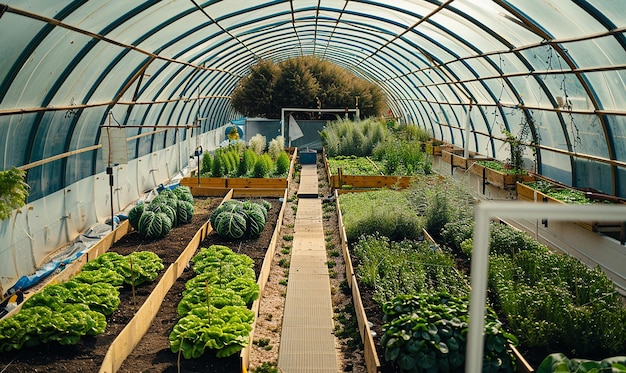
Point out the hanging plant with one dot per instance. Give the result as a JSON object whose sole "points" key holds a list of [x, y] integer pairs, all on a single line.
{"points": [[13, 191]]}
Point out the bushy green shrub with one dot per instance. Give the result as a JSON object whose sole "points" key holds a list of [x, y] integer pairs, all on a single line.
{"points": [[282, 163], [207, 163], [437, 215], [454, 233], [263, 166]]}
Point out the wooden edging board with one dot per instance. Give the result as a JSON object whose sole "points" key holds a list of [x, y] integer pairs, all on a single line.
{"points": [[129, 337], [264, 275], [100, 247], [369, 348]]}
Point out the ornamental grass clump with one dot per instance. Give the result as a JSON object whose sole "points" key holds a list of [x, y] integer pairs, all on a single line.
{"points": [[276, 147], [347, 137]]}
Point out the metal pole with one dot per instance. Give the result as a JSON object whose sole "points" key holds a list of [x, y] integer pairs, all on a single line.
{"points": [[110, 173], [467, 131]]}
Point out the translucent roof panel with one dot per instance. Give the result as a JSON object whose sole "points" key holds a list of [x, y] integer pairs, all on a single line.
{"points": [[70, 66]]}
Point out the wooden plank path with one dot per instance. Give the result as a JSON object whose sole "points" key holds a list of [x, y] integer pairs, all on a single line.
{"points": [[307, 341]]}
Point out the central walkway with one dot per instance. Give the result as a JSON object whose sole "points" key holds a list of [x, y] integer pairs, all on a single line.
{"points": [[307, 341]]}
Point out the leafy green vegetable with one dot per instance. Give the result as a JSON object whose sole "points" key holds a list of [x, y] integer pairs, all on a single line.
{"points": [[235, 219], [558, 362], [146, 265], [154, 224], [213, 308], [225, 330], [427, 333]]}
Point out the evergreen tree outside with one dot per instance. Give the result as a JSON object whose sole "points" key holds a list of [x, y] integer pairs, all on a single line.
{"points": [[304, 82]]}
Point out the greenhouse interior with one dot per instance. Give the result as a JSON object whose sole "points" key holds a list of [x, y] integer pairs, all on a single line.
{"points": [[313, 186]]}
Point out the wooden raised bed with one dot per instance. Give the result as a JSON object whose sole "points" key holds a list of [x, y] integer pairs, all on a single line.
{"points": [[372, 361], [130, 336], [363, 182], [614, 229], [497, 178], [242, 187], [100, 247]]}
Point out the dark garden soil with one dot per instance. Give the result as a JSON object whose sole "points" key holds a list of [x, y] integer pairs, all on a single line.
{"points": [[153, 353]]}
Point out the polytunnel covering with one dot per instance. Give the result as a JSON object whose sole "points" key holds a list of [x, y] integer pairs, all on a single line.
{"points": [[164, 70]]}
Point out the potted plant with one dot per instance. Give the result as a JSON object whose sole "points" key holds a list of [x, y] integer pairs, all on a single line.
{"points": [[13, 191]]}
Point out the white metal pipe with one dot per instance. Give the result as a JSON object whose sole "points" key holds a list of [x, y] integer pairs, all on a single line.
{"points": [[483, 213], [467, 131]]}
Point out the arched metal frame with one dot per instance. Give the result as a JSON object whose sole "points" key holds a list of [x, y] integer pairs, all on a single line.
{"points": [[67, 69]]}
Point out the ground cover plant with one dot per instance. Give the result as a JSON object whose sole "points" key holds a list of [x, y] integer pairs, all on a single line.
{"points": [[353, 165], [562, 194], [385, 211], [426, 332], [500, 167]]}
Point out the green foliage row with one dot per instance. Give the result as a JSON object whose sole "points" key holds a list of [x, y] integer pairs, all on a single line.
{"points": [[234, 161], [213, 309], [65, 312], [135, 268], [555, 300], [562, 194], [500, 167], [405, 267], [352, 165], [347, 137], [306, 82], [550, 300], [385, 212]]}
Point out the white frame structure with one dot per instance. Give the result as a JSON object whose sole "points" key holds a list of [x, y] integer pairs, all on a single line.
{"points": [[483, 214]]}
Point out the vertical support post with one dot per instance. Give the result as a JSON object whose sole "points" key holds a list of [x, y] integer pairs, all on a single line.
{"points": [[110, 173], [467, 130]]}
